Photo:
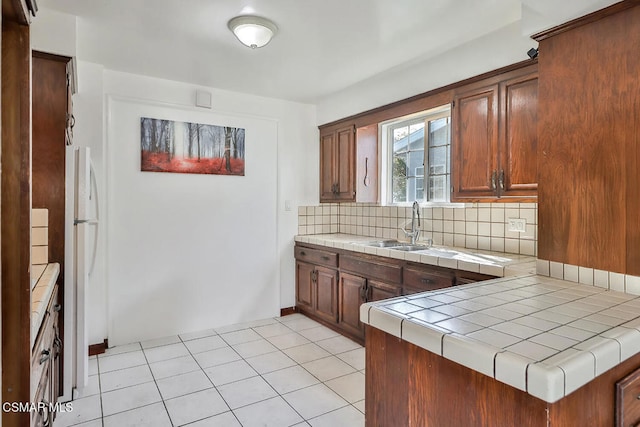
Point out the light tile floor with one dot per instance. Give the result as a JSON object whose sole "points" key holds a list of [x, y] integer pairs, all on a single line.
{"points": [[287, 371]]}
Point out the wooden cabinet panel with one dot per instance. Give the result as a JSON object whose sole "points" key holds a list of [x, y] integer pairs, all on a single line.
{"points": [[346, 163], [316, 256], [519, 133], [377, 291], [371, 268], [627, 401], [352, 291], [327, 166], [589, 105], [349, 164], [367, 164], [475, 139], [494, 145], [304, 285], [421, 279], [326, 297]]}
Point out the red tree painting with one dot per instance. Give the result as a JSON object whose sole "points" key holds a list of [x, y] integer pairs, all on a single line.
{"points": [[180, 147]]}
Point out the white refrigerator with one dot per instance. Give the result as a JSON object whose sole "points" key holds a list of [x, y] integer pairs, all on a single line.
{"points": [[81, 234]]}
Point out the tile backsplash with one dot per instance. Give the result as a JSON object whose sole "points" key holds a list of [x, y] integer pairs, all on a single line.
{"points": [[475, 226]]}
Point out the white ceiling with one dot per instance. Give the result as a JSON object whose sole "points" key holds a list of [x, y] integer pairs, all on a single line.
{"points": [[322, 46]]}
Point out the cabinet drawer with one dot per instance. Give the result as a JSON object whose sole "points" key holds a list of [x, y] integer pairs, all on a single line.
{"points": [[42, 352], [316, 256], [464, 277], [372, 269], [628, 401], [426, 279]]}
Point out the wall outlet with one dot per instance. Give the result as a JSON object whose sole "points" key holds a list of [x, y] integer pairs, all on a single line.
{"points": [[517, 224], [287, 205]]}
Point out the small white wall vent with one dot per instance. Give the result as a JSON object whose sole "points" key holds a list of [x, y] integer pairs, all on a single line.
{"points": [[203, 99]]}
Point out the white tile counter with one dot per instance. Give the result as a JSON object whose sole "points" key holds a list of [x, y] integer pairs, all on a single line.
{"points": [[486, 262], [544, 336]]}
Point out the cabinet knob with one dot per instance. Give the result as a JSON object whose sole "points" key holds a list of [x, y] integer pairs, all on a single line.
{"points": [[325, 258], [57, 307], [303, 253], [426, 281]]}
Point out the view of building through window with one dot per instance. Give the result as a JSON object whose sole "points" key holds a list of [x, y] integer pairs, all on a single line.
{"points": [[410, 150]]}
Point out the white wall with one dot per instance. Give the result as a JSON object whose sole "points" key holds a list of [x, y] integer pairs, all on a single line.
{"points": [[54, 32], [503, 47], [191, 283]]}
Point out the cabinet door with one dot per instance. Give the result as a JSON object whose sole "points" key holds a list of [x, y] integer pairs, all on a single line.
{"points": [[474, 146], [304, 285], [326, 294], [327, 167], [351, 289], [367, 164], [377, 291], [518, 175], [346, 164]]}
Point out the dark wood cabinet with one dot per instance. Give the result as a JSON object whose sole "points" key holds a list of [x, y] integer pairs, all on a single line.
{"points": [[304, 285], [494, 142], [46, 363], [317, 283], [349, 164], [377, 291], [337, 165], [352, 291], [426, 278], [326, 288], [518, 138], [407, 385], [331, 286], [589, 149]]}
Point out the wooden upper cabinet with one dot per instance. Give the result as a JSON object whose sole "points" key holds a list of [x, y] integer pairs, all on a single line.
{"points": [[349, 164], [345, 161], [475, 142], [327, 166], [519, 136], [495, 137]]}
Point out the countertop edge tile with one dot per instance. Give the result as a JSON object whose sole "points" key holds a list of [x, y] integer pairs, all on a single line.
{"points": [[429, 338], [511, 369], [545, 382], [470, 353]]}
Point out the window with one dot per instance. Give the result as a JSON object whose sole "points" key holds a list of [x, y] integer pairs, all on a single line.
{"points": [[413, 142]]}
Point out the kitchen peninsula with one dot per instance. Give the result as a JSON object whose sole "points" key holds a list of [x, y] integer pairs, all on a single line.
{"points": [[528, 350]]}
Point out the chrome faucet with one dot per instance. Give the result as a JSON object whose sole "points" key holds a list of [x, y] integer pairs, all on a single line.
{"points": [[415, 230]]}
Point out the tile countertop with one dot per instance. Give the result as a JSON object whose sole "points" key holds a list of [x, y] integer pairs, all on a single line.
{"points": [[498, 264], [541, 335]]}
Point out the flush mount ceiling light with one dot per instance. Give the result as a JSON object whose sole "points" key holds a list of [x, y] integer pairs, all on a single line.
{"points": [[252, 31]]}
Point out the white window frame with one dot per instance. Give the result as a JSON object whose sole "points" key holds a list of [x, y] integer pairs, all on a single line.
{"points": [[386, 154]]}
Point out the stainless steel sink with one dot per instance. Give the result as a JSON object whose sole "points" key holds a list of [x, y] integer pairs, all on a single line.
{"points": [[385, 243], [410, 248], [397, 245]]}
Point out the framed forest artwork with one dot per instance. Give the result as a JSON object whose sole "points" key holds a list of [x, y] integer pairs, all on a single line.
{"points": [[181, 147]]}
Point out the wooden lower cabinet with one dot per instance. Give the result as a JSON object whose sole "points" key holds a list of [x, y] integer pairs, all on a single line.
{"points": [[377, 291], [407, 385], [316, 290], [331, 286], [326, 280], [304, 285], [352, 292], [46, 364]]}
